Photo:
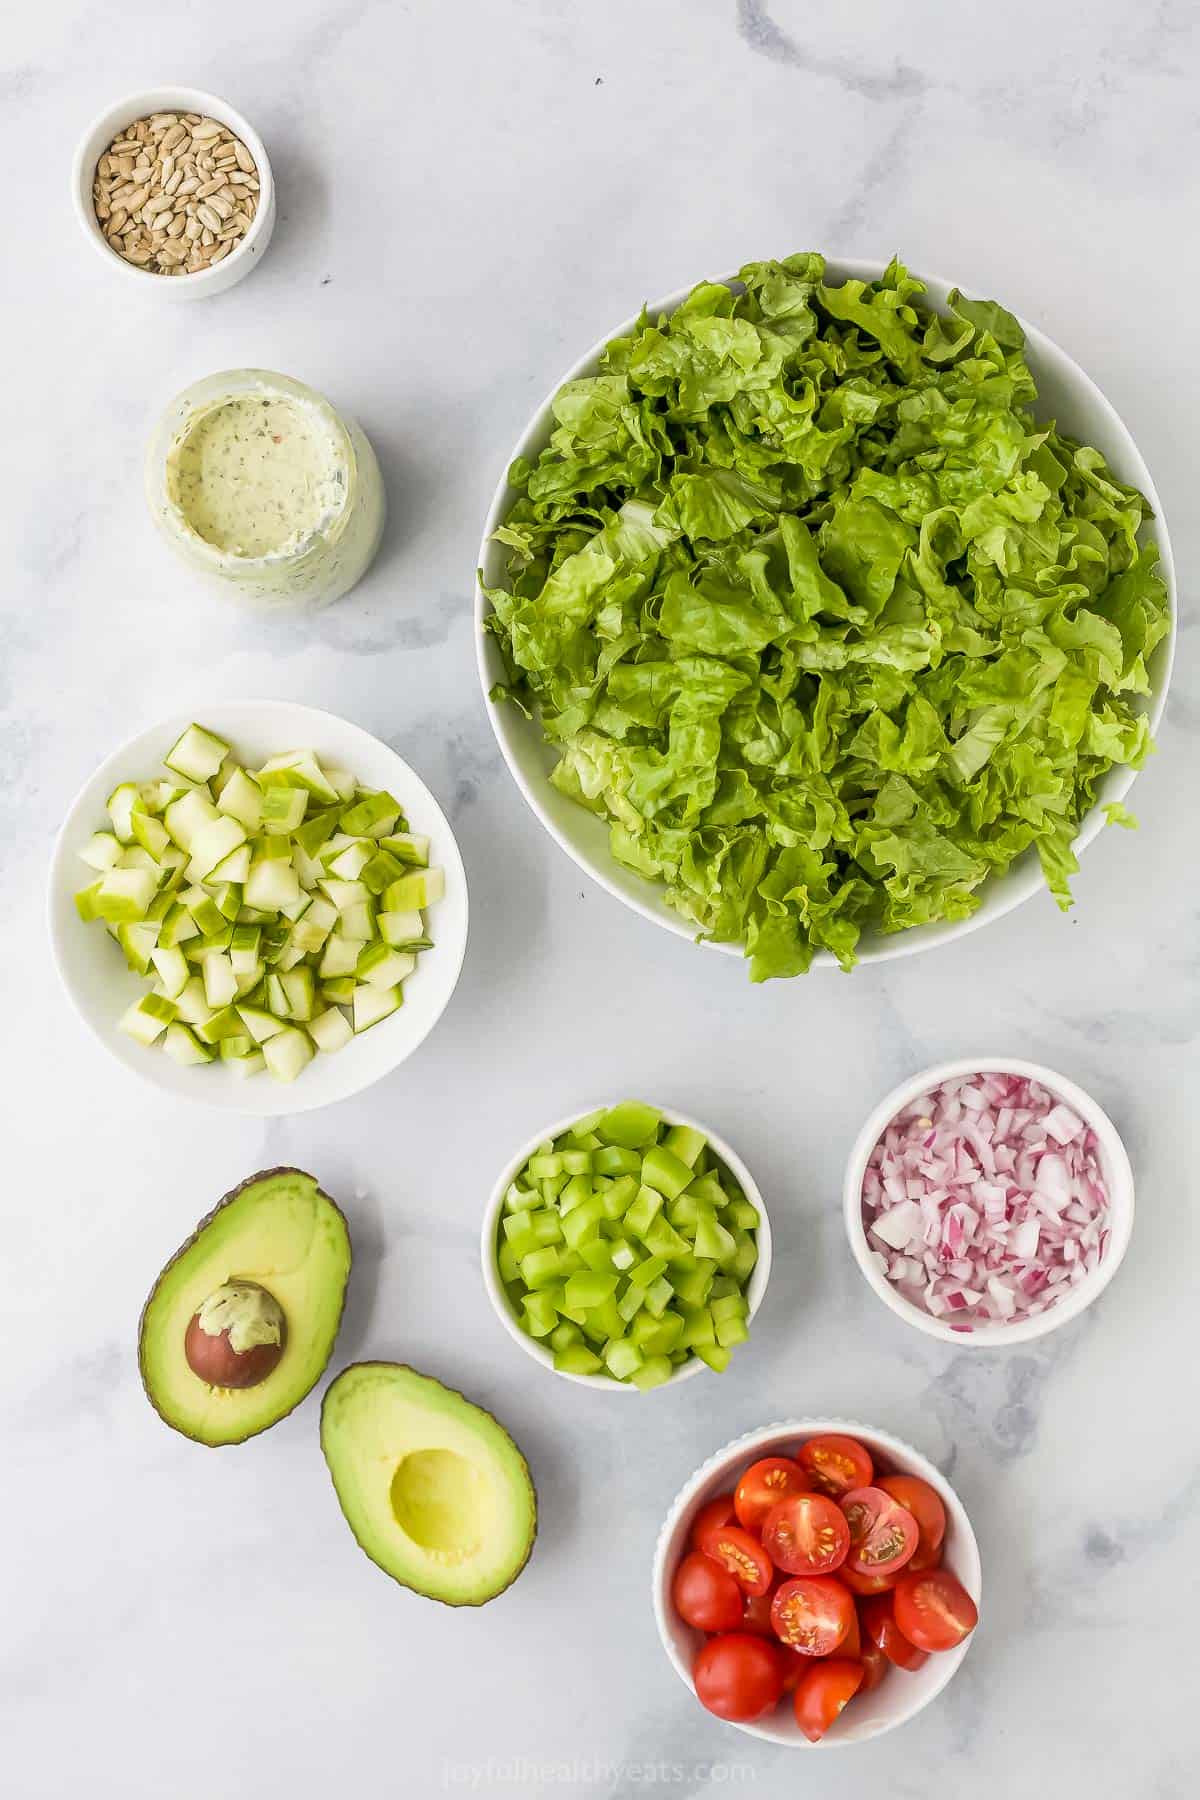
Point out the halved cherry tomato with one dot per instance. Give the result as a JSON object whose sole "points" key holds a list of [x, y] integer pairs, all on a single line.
{"points": [[713, 1512], [933, 1609], [865, 1584], [879, 1623], [835, 1464], [813, 1614], [706, 1595], [756, 1614], [925, 1505], [875, 1665], [765, 1482], [851, 1644], [883, 1534], [742, 1555], [738, 1676], [822, 1692], [806, 1534]]}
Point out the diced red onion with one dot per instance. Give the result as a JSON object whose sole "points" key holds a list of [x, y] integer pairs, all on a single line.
{"points": [[984, 1200]]}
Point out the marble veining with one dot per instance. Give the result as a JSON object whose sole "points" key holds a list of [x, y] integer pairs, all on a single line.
{"points": [[469, 195]]}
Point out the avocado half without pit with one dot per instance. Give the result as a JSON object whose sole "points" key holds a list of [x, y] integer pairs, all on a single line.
{"points": [[241, 1322], [432, 1486]]}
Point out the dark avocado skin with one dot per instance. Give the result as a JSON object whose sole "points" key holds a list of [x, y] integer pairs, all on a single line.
{"points": [[262, 1175], [382, 1363]]}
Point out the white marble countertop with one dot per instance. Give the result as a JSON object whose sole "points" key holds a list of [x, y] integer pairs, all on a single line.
{"points": [[468, 196]]}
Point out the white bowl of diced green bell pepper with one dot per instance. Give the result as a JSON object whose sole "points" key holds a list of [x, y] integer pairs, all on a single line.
{"points": [[626, 1248], [272, 980]]}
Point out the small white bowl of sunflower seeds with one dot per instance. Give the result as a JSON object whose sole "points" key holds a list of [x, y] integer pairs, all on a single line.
{"points": [[174, 189]]}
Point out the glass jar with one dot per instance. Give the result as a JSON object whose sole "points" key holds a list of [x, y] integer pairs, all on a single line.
{"points": [[260, 485]]}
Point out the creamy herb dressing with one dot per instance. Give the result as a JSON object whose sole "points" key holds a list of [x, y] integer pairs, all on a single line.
{"points": [[257, 475], [261, 486]]}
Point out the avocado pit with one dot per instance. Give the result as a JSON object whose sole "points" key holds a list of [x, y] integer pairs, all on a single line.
{"points": [[236, 1337]]}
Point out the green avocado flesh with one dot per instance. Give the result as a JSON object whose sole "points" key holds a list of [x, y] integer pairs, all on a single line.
{"points": [[433, 1488], [281, 1232]]}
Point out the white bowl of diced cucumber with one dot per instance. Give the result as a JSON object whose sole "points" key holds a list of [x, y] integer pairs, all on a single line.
{"points": [[259, 906], [627, 1248]]}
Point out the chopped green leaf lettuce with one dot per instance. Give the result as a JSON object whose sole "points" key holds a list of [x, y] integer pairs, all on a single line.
{"points": [[819, 618]]}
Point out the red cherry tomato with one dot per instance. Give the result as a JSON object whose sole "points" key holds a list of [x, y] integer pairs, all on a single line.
{"points": [[883, 1534], [713, 1512], [742, 1555], [806, 1534], [822, 1692], [757, 1614], [875, 1665], [865, 1584], [879, 1625], [835, 1464], [933, 1609], [765, 1482], [813, 1614], [851, 1644], [925, 1505], [738, 1676], [705, 1595]]}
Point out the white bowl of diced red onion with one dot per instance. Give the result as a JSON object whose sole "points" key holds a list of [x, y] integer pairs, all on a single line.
{"points": [[988, 1201]]}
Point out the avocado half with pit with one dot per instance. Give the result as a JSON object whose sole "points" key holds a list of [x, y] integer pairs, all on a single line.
{"points": [[432, 1486], [241, 1322]]}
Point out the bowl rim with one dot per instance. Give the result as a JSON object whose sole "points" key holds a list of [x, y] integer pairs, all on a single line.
{"points": [[756, 1287], [171, 96], [88, 804], [903, 943], [1121, 1199], [967, 1563]]}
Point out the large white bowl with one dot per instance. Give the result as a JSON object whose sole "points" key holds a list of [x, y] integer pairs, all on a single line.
{"points": [[756, 1287], [1118, 1179], [1066, 394], [100, 986], [902, 1693]]}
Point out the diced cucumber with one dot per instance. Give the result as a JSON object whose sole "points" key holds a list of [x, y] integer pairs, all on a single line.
{"points": [[349, 863], [358, 921], [287, 1053], [184, 817], [192, 1006], [208, 881], [211, 844], [121, 803], [249, 1065], [407, 847], [197, 755], [183, 1046], [271, 885], [419, 888], [283, 809], [371, 1004], [149, 832], [330, 1030], [220, 982], [173, 970], [148, 1017], [368, 815], [124, 895], [298, 768], [102, 850], [340, 958], [241, 798], [260, 1023], [234, 869], [138, 942], [383, 967]]}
